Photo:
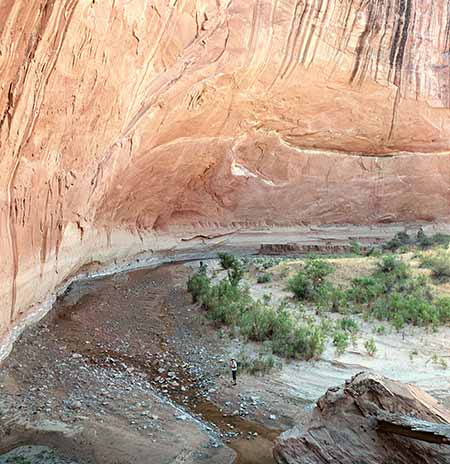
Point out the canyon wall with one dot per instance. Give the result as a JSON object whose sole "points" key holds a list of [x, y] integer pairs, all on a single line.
{"points": [[128, 125]]}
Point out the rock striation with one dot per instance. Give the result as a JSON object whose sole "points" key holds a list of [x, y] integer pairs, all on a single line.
{"points": [[370, 420], [129, 125]]}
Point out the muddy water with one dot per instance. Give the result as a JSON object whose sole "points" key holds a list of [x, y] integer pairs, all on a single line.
{"points": [[134, 315]]}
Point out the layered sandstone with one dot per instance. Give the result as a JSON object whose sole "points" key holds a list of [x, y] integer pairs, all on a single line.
{"points": [[128, 125], [370, 420]]}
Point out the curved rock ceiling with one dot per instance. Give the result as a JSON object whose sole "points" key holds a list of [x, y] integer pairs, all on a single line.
{"points": [[141, 118]]}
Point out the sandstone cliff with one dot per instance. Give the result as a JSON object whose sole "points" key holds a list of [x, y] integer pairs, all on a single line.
{"points": [[126, 121]]}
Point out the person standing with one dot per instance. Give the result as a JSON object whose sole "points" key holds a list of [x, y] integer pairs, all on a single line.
{"points": [[234, 368]]}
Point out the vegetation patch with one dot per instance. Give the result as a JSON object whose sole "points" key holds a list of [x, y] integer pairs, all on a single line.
{"points": [[391, 293], [264, 278], [439, 264], [230, 303], [387, 290]]}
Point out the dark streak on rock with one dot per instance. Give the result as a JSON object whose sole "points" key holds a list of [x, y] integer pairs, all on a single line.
{"points": [[402, 45]]}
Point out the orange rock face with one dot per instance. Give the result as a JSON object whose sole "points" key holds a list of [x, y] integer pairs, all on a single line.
{"points": [[125, 121]]}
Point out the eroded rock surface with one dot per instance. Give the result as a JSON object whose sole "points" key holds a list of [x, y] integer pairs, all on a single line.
{"points": [[344, 426], [126, 123]]}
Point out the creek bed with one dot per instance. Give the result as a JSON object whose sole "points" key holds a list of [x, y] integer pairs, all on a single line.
{"points": [[35, 455], [102, 358]]}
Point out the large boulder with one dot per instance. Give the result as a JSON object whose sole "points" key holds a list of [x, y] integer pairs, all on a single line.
{"points": [[370, 420]]}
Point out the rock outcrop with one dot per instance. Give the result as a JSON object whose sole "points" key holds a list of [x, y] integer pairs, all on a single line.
{"points": [[370, 420], [126, 125]]}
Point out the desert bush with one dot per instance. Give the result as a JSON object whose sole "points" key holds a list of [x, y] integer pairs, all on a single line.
{"points": [[317, 270], [370, 347], [264, 278], [442, 305], [364, 290], [439, 361], [348, 324], [403, 239], [403, 309], [391, 264], [374, 252], [330, 298], [309, 341], [355, 247], [282, 337], [341, 341], [261, 364], [439, 263], [306, 284], [399, 240], [227, 260], [236, 273], [257, 322], [381, 330], [301, 286], [226, 302], [423, 240], [198, 285], [441, 240]]}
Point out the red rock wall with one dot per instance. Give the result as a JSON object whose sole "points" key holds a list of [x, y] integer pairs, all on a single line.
{"points": [[145, 117]]}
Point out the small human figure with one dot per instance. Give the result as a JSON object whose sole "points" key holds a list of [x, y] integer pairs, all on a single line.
{"points": [[234, 368], [203, 267]]}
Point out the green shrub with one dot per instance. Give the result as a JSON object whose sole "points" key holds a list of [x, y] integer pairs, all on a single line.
{"points": [[374, 252], [236, 273], [227, 261], [226, 302], [348, 324], [399, 240], [355, 247], [370, 347], [331, 298], [365, 289], [264, 278], [439, 263], [423, 240], [282, 337], [381, 330], [401, 309], [257, 322], [301, 286], [198, 285], [439, 362], [307, 284], [309, 341], [341, 340], [392, 274], [442, 305], [261, 364], [390, 264], [426, 260], [441, 239], [317, 270]]}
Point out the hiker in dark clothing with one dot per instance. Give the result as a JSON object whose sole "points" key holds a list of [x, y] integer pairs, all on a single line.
{"points": [[234, 368]]}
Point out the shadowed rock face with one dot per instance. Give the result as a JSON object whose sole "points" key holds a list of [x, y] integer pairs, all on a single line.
{"points": [[343, 427], [123, 121]]}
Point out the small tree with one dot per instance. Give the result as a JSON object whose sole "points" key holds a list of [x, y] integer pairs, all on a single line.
{"points": [[317, 270], [227, 261], [370, 347]]}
